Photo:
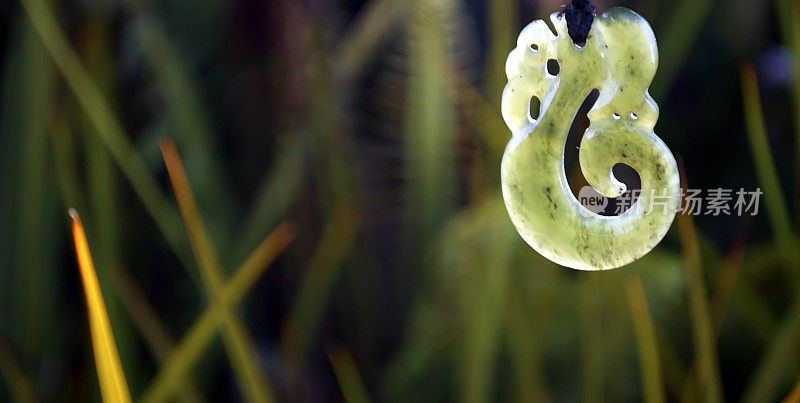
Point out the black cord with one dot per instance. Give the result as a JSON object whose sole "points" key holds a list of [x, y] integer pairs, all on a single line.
{"points": [[579, 15]]}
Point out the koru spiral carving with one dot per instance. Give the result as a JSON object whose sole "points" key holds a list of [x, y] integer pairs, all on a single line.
{"points": [[619, 59]]}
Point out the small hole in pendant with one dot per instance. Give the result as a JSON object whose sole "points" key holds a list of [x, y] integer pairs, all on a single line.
{"points": [[634, 116], [615, 116], [553, 68], [534, 47], [534, 108]]}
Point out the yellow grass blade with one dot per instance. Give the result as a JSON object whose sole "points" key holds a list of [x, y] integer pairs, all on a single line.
{"points": [[200, 335], [113, 386], [646, 339], [794, 395], [344, 367], [20, 384], [234, 335]]}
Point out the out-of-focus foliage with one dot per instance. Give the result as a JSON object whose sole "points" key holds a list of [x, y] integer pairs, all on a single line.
{"points": [[373, 128]]}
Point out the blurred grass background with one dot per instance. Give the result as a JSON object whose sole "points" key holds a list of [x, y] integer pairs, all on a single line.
{"points": [[372, 127]]}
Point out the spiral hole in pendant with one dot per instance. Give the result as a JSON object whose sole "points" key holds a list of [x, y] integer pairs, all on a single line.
{"points": [[627, 175], [623, 172]]}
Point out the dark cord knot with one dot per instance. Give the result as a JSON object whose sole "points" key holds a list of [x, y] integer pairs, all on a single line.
{"points": [[580, 15]]}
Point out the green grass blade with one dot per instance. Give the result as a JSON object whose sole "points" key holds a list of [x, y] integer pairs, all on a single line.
{"points": [[337, 240], [108, 126], [150, 326], [770, 371], [525, 358], [503, 29], [531, 294], [431, 338], [723, 294], [675, 375], [788, 13], [590, 294], [253, 382], [484, 298], [35, 253], [729, 275], [367, 34], [65, 164], [277, 192], [675, 41], [708, 378], [430, 128], [524, 343], [776, 206], [785, 343], [12, 85], [134, 300], [346, 372], [758, 313], [201, 334], [101, 184], [192, 131], [646, 340], [479, 113]]}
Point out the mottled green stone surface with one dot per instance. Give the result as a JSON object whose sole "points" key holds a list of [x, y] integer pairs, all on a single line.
{"points": [[619, 59]]}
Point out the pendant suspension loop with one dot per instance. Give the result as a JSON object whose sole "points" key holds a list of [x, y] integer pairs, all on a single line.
{"points": [[579, 15]]}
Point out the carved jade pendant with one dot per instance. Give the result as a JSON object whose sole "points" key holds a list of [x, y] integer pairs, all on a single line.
{"points": [[619, 59]]}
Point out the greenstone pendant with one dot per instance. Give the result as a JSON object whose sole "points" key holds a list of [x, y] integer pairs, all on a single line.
{"points": [[619, 59]]}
